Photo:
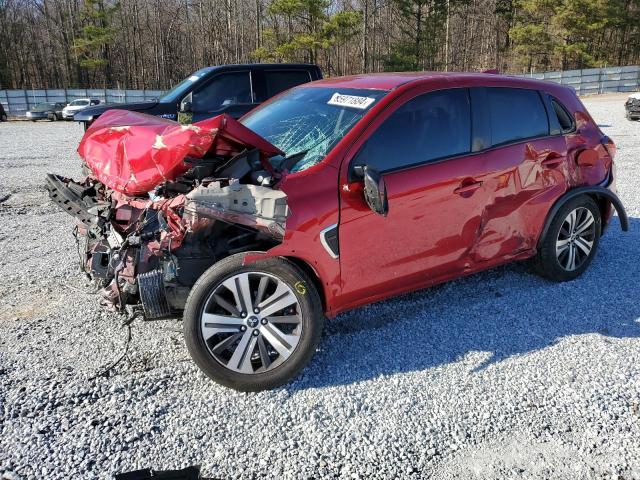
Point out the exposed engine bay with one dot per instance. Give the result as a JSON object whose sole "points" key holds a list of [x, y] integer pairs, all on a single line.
{"points": [[163, 202]]}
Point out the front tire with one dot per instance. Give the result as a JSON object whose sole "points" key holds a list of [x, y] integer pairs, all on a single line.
{"points": [[571, 241], [253, 327]]}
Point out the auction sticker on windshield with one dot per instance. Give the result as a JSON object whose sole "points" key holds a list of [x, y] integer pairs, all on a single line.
{"points": [[353, 101]]}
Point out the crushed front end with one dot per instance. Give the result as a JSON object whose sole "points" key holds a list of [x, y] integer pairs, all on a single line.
{"points": [[164, 202]]}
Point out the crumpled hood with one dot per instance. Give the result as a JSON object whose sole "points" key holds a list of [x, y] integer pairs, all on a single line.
{"points": [[132, 152]]}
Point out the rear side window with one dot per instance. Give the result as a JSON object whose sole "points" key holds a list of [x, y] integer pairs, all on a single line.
{"points": [[281, 80], [516, 114], [564, 118], [429, 127]]}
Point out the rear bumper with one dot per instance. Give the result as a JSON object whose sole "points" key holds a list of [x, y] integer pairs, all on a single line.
{"points": [[607, 190]]}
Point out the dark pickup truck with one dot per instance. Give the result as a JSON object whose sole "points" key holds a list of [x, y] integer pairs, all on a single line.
{"points": [[211, 91]]}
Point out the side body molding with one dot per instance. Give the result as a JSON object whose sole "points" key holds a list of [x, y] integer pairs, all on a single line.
{"points": [[595, 190]]}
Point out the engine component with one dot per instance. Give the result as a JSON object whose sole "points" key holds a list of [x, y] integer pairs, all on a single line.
{"points": [[100, 264], [152, 294], [262, 208]]}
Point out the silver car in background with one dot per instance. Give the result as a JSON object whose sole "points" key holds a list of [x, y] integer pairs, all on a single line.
{"points": [[77, 105]]}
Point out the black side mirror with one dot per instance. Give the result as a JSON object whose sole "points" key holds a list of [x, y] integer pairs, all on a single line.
{"points": [[375, 190]]}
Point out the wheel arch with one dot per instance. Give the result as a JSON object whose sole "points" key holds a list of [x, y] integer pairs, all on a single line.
{"points": [[601, 195], [303, 265], [313, 275]]}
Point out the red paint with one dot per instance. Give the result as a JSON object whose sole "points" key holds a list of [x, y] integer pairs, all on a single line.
{"points": [[447, 218], [132, 153]]}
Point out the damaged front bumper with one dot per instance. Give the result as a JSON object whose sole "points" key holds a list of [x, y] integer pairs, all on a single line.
{"points": [[148, 248]]}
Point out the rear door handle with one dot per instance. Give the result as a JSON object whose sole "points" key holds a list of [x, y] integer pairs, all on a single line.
{"points": [[467, 188]]}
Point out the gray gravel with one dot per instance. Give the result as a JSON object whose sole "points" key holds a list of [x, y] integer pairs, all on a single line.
{"points": [[498, 375]]}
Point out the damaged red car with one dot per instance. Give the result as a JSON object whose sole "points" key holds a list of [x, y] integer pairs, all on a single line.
{"points": [[335, 194]]}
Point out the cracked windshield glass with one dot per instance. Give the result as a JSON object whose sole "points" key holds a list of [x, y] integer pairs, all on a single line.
{"points": [[306, 123]]}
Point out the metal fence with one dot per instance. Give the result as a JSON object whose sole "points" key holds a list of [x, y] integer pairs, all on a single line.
{"points": [[17, 102], [590, 81], [593, 81]]}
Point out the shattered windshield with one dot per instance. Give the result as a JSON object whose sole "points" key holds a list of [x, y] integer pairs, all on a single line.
{"points": [[307, 122]]}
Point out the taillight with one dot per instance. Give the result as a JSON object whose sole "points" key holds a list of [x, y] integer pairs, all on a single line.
{"points": [[609, 146]]}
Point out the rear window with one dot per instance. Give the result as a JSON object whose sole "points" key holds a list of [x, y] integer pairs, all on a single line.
{"points": [[564, 118], [516, 114], [281, 80]]}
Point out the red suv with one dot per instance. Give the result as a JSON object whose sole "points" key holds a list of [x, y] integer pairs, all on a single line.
{"points": [[336, 194]]}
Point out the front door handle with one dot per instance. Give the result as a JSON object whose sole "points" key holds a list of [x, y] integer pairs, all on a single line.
{"points": [[466, 189]]}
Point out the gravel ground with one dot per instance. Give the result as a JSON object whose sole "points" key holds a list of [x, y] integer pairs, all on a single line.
{"points": [[498, 375]]}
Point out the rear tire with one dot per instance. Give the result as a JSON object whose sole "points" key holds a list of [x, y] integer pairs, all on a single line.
{"points": [[3, 118], [571, 241], [244, 350]]}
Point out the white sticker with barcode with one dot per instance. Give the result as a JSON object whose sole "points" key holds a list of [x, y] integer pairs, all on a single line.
{"points": [[353, 101]]}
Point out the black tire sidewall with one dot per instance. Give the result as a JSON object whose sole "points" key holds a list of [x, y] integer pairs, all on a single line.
{"points": [[312, 322], [547, 255]]}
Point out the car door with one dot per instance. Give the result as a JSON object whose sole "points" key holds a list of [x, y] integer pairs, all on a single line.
{"points": [[434, 183], [226, 92], [528, 161]]}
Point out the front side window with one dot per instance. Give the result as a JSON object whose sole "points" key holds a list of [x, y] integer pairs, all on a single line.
{"points": [[223, 91], [306, 123], [79, 103], [429, 127], [516, 114]]}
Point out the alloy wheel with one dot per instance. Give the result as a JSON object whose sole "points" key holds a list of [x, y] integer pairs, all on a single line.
{"points": [[575, 238], [251, 322]]}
